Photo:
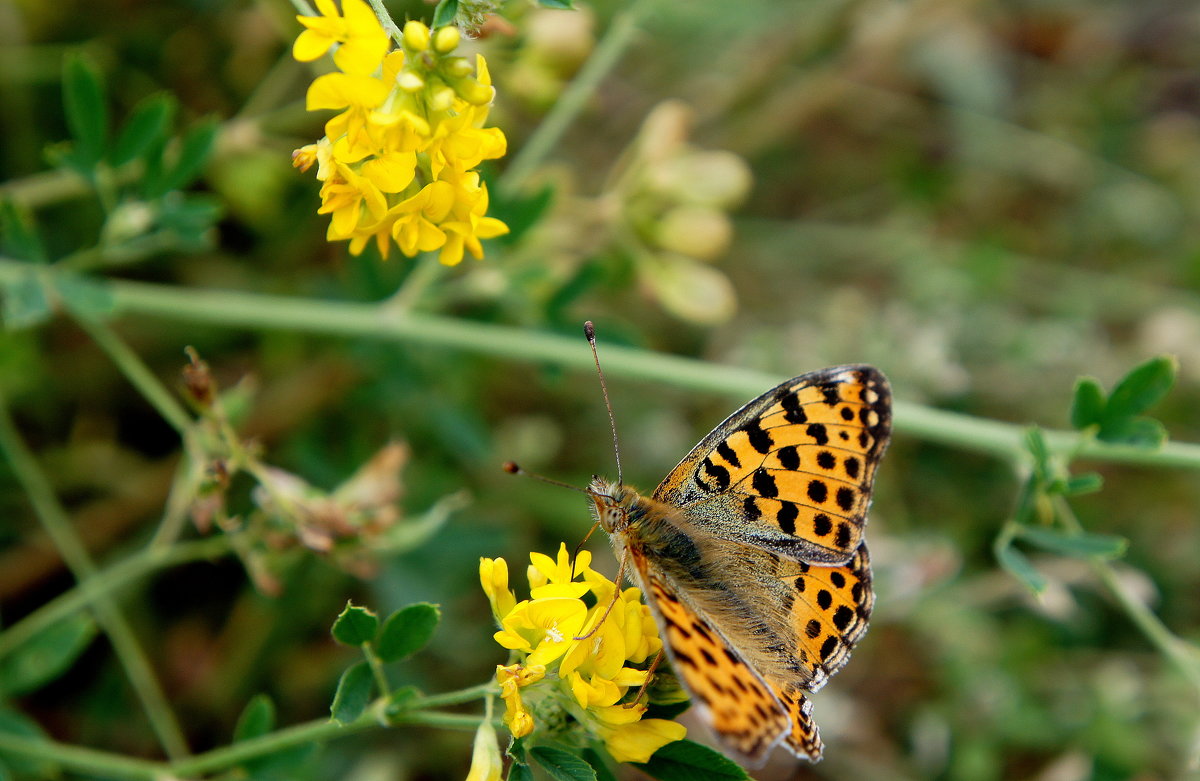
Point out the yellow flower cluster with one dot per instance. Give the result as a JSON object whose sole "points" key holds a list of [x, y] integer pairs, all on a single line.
{"points": [[397, 163], [593, 679]]}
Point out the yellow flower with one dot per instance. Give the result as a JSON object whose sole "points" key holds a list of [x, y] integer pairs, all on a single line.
{"points": [[351, 131], [630, 738], [517, 717], [552, 577], [363, 41], [343, 196], [543, 628], [416, 219], [493, 574], [469, 223], [591, 681]]}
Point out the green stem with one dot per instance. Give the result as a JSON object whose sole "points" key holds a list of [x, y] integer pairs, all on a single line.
{"points": [[1184, 655], [573, 100], [458, 697], [233, 309], [93, 763], [105, 582], [57, 524], [385, 19], [298, 734], [376, 665], [139, 375]]}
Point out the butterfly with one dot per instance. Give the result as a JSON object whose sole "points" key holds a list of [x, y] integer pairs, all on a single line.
{"points": [[752, 557]]}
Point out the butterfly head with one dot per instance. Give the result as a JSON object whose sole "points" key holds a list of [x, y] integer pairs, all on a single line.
{"points": [[610, 503]]}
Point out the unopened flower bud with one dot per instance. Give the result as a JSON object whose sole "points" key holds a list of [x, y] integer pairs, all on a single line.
{"points": [[457, 66], [442, 98], [475, 93], [416, 36], [445, 40], [409, 81], [696, 231]]}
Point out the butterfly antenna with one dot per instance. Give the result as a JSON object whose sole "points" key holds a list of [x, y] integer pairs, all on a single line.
{"points": [[514, 469], [589, 331]]}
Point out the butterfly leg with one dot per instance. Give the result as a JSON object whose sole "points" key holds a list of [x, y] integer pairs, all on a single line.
{"points": [[649, 677]]}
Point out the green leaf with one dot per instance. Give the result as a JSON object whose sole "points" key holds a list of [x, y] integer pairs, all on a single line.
{"points": [[147, 125], [25, 301], [562, 765], [685, 760], [407, 631], [85, 297], [1035, 441], [1085, 544], [564, 5], [1087, 405], [257, 719], [87, 111], [18, 234], [46, 655], [444, 14], [1142, 388], [519, 771], [355, 626], [193, 154], [353, 693], [599, 766], [1020, 567], [1142, 432], [15, 723], [1086, 483]]}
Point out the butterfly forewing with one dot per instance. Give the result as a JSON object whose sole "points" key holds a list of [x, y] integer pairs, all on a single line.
{"points": [[792, 470]]}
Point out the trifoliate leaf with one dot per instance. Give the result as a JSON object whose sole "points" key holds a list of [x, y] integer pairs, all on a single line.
{"points": [[258, 718], [87, 110], [353, 693], [147, 125], [1142, 388], [1087, 405], [46, 655], [355, 626], [407, 631], [1086, 545]]}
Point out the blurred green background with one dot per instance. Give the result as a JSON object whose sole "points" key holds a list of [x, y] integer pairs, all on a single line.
{"points": [[986, 200]]}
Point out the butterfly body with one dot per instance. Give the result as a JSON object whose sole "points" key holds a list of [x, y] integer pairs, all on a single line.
{"points": [[751, 555]]}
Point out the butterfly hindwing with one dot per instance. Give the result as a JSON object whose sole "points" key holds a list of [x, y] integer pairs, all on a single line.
{"points": [[792, 470], [827, 613], [739, 705]]}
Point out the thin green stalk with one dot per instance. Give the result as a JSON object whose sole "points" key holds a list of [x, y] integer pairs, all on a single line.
{"points": [[139, 375], [458, 697], [58, 525], [298, 734], [376, 665], [105, 582], [233, 309], [1184, 655], [89, 761], [573, 100]]}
